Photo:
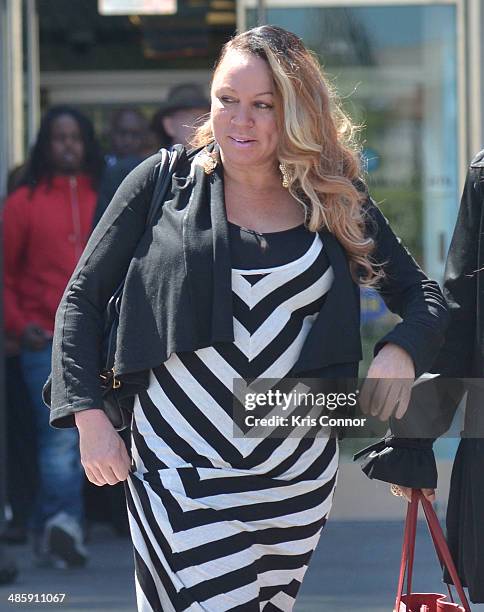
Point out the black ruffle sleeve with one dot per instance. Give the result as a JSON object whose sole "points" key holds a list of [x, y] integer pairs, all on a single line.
{"points": [[406, 457], [409, 462]]}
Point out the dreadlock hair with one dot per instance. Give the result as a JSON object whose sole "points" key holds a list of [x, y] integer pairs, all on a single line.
{"points": [[39, 166]]}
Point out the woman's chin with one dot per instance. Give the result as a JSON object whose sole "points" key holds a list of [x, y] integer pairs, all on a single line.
{"points": [[248, 156]]}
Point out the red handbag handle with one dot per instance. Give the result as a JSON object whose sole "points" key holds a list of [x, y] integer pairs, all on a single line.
{"points": [[408, 549], [442, 549]]}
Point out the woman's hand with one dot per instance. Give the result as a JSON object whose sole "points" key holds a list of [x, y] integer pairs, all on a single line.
{"points": [[103, 453], [388, 384], [406, 492]]}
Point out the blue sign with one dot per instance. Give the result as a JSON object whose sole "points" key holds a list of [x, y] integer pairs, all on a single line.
{"points": [[372, 305], [370, 159]]}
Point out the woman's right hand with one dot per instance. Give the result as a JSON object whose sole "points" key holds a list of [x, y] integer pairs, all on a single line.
{"points": [[103, 453]]}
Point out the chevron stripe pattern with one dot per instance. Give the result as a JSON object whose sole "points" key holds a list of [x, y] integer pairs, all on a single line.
{"points": [[223, 523]]}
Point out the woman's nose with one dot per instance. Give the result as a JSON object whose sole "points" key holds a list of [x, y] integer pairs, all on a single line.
{"points": [[242, 116]]}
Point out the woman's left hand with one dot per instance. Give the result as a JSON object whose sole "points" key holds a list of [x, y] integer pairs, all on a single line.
{"points": [[406, 493], [388, 384]]}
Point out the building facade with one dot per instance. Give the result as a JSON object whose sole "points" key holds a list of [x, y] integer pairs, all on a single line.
{"points": [[409, 72]]}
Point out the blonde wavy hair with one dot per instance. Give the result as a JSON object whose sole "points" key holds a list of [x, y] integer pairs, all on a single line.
{"points": [[317, 143]]}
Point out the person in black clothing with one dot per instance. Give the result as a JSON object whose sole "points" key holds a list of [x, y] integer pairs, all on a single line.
{"points": [[460, 363], [462, 357], [127, 135]]}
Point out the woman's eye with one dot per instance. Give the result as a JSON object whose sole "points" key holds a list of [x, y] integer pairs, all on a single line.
{"points": [[226, 99], [263, 105]]}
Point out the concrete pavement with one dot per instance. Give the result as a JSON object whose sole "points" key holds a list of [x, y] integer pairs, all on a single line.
{"points": [[354, 568]]}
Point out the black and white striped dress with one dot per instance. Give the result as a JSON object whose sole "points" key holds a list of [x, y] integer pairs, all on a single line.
{"points": [[220, 523]]}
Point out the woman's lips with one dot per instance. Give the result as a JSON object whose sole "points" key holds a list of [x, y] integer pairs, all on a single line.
{"points": [[242, 142]]}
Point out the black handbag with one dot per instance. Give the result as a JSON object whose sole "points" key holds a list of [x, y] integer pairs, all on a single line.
{"points": [[117, 406]]}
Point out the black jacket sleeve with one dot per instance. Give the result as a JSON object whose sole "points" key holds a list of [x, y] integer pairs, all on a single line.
{"points": [[104, 263], [403, 461], [410, 462], [407, 292]]}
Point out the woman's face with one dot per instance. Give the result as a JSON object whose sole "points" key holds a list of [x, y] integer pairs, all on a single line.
{"points": [[243, 110]]}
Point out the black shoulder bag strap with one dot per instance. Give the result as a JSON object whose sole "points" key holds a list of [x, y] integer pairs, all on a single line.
{"points": [[167, 166]]}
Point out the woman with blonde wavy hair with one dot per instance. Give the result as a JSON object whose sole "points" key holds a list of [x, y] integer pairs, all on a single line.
{"points": [[251, 270]]}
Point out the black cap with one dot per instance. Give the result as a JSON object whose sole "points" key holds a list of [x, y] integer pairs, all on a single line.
{"points": [[187, 95]]}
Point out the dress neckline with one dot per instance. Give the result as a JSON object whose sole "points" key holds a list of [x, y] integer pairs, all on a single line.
{"points": [[311, 253], [251, 231]]}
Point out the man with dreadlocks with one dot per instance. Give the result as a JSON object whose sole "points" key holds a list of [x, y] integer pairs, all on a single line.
{"points": [[47, 221]]}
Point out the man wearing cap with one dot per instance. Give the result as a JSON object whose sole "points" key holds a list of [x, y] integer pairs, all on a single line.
{"points": [[175, 120]]}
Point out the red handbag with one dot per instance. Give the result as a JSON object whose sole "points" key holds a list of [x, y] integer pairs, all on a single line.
{"points": [[426, 602]]}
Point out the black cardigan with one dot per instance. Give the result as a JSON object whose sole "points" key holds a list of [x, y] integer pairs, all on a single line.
{"points": [[177, 295]]}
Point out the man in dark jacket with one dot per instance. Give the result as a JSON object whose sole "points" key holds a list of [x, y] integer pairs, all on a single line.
{"points": [[173, 123], [127, 135]]}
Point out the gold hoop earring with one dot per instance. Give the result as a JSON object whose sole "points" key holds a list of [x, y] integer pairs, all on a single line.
{"points": [[208, 160], [285, 175]]}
